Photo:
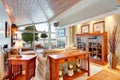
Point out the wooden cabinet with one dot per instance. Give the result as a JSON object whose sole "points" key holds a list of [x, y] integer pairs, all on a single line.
{"points": [[96, 44], [58, 59], [13, 34]]}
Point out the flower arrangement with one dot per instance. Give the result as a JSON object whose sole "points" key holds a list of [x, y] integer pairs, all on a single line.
{"points": [[114, 39]]}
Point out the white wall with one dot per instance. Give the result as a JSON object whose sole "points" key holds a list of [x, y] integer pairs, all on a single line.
{"points": [[3, 19], [3, 40]]}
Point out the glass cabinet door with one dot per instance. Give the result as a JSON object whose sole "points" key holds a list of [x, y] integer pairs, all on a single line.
{"points": [[95, 47], [99, 47], [81, 43]]}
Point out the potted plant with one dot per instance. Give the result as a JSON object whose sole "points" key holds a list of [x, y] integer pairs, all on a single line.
{"points": [[44, 35], [28, 37], [113, 41]]}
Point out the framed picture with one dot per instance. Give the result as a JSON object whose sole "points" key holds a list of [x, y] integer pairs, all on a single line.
{"points": [[99, 26], [85, 28], [7, 30], [61, 32]]}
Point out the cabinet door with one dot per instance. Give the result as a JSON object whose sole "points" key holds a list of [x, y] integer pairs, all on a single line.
{"points": [[92, 46], [81, 43], [99, 47], [95, 47]]}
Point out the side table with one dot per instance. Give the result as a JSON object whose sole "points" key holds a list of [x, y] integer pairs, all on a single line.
{"points": [[16, 64]]}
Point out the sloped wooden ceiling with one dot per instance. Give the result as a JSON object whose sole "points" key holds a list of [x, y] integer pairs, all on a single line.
{"points": [[23, 12], [88, 10]]}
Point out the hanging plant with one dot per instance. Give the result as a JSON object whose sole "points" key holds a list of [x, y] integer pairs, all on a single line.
{"points": [[44, 35]]}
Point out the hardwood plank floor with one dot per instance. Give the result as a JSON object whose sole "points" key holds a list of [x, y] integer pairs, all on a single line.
{"points": [[107, 74]]}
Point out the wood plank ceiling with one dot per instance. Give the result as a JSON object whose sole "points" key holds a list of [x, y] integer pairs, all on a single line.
{"points": [[23, 12]]}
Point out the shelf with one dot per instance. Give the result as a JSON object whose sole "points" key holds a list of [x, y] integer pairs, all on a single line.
{"points": [[13, 34], [76, 74], [96, 61], [20, 77]]}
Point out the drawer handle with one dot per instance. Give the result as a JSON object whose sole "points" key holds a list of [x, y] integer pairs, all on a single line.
{"points": [[66, 59], [76, 57], [84, 55]]}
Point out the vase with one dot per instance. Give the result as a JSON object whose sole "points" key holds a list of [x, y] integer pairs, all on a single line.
{"points": [[112, 60]]}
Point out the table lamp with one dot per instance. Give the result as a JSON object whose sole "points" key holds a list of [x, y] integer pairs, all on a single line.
{"points": [[18, 45]]}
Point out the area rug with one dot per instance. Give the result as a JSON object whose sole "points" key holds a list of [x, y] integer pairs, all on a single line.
{"points": [[93, 70], [105, 75]]}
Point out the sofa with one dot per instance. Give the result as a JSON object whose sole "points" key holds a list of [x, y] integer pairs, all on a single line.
{"points": [[24, 51], [43, 62]]}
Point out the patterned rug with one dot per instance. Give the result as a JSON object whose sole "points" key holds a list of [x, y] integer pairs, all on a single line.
{"points": [[93, 70]]}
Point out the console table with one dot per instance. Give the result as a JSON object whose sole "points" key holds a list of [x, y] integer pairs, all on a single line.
{"points": [[57, 59], [16, 65]]}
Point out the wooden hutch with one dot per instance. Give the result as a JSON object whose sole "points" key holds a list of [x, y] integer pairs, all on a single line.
{"points": [[95, 43], [13, 34]]}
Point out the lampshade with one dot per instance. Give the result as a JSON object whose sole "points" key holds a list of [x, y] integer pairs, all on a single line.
{"points": [[18, 44]]}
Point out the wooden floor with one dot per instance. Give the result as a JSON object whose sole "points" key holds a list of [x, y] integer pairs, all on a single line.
{"points": [[105, 74]]}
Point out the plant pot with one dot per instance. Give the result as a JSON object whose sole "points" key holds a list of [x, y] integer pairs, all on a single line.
{"points": [[112, 60]]}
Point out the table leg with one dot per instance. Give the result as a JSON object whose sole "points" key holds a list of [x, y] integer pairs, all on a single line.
{"points": [[56, 70], [88, 66], [34, 67], [10, 70], [26, 70], [50, 68]]}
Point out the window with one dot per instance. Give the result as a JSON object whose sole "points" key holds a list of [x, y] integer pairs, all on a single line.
{"points": [[48, 41], [53, 36], [42, 27], [53, 29]]}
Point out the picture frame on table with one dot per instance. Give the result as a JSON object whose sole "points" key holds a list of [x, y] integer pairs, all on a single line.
{"points": [[7, 30], [99, 26], [85, 28]]}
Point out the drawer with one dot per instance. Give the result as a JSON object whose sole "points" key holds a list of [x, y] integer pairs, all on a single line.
{"points": [[65, 60], [82, 56]]}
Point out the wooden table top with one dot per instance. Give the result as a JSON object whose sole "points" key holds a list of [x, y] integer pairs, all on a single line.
{"points": [[67, 54], [24, 57]]}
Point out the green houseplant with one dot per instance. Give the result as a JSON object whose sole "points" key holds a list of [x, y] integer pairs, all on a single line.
{"points": [[44, 35], [28, 37], [113, 41]]}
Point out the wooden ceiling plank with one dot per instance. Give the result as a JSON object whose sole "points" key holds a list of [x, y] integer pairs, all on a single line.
{"points": [[26, 11]]}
